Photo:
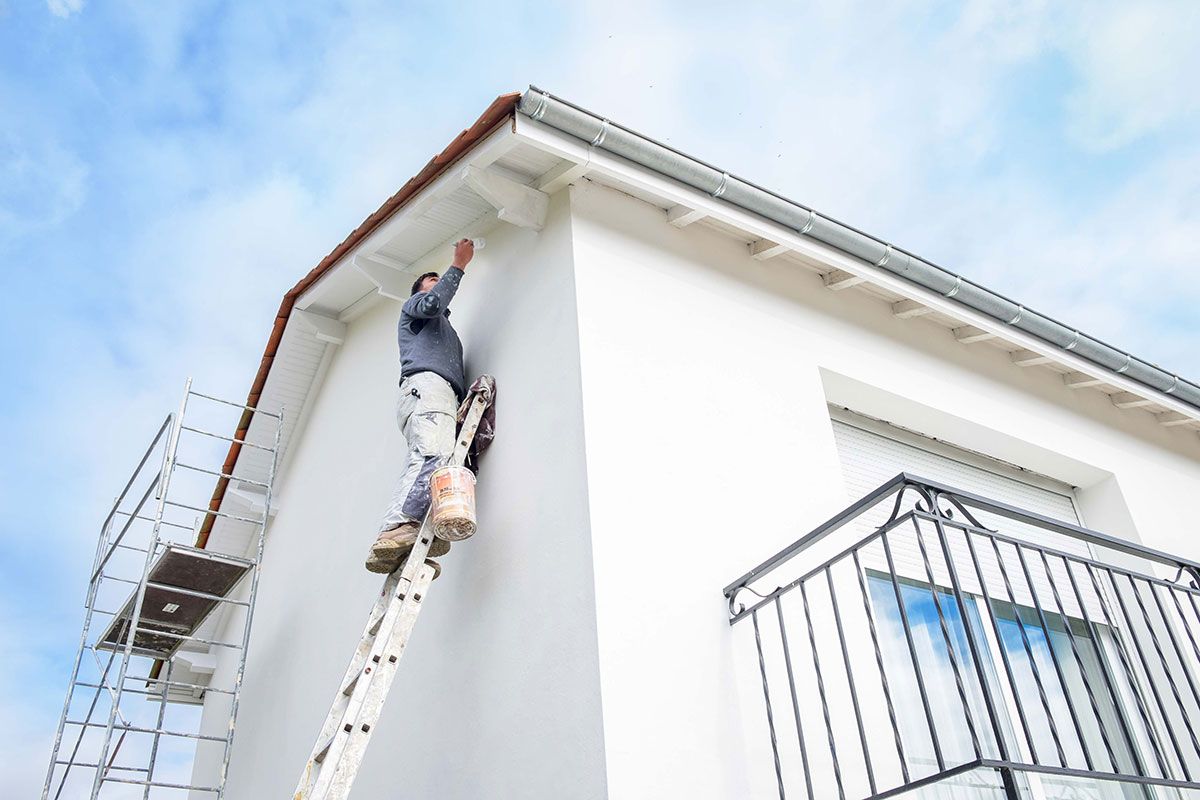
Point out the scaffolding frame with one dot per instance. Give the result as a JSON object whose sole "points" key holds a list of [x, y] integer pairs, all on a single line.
{"points": [[119, 640]]}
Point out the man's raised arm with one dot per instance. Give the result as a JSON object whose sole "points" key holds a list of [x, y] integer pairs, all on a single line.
{"points": [[432, 303]]}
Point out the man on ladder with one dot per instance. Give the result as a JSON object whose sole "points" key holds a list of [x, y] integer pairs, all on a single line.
{"points": [[432, 383]]}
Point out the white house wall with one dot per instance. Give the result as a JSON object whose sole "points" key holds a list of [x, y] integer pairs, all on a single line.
{"points": [[706, 376], [498, 695]]}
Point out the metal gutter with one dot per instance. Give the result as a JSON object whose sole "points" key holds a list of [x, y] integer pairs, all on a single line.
{"points": [[601, 133]]}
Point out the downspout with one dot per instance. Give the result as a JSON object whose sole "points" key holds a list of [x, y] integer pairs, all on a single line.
{"points": [[643, 151]]}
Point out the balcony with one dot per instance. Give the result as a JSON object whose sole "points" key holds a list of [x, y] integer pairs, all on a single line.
{"points": [[930, 643]]}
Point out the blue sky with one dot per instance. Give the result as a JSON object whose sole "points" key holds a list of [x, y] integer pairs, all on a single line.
{"points": [[168, 170]]}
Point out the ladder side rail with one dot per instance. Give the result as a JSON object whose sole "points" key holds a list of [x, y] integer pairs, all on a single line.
{"points": [[102, 682], [138, 469], [375, 693], [90, 610], [357, 662], [162, 713], [106, 527], [164, 483], [344, 714], [255, 573], [331, 744], [343, 750], [150, 489]]}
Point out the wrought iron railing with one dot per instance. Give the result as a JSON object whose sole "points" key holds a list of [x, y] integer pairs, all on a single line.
{"points": [[930, 641]]}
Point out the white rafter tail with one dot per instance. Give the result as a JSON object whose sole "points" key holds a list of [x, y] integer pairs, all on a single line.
{"points": [[561, 176], [1028, 358], [325, 329], [1172, 419], [1081, 380], [969, 334], [682, 216], [515, 203], [908, 309], [389, 281], [838, 279], [762, 249], [1129, 400]]}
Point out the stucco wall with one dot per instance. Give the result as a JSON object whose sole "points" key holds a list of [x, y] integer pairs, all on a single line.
{"points": [[699, 379], [497, 696], [706, 376]]}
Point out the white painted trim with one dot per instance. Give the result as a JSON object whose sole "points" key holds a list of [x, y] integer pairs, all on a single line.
{"points": [[389, 282], [516, 203], [561, 176], [762, 249], [969, 334], [682, 216], [325, 329], [907, 309], [839, 279], [674, 193]]}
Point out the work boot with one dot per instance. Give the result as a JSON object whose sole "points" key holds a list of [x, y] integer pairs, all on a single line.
{"points": [[392, 545]]}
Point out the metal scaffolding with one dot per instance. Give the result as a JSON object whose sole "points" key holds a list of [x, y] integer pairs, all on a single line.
{"points": [[165, 600]]}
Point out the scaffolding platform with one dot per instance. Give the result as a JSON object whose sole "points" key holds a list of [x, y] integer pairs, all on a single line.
{"points": [[182, 589]]}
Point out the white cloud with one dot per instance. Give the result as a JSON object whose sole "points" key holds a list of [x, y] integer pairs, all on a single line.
{"points": [[1135, 62], [64, 8], [41, 184]]}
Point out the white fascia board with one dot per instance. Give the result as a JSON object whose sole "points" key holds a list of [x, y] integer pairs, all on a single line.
{"points": [[675, 193]]}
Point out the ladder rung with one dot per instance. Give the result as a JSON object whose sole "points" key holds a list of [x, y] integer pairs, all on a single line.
{"points": [[220, 474], [119, 546], [203, 432], [348, 689], [193, 593], [319, 756], [160, 731], [235, 405], [163, 785], [176, 684], [87, 685], [96, 766], [181, 637], [217, 513], [164, 522], [209, 554]]}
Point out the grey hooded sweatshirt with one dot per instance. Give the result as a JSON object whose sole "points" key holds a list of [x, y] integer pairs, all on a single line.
{"points": [[428, 343]]}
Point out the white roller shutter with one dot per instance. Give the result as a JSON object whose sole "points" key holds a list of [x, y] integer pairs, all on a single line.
{"points": [[872, 453], [870, 458]]}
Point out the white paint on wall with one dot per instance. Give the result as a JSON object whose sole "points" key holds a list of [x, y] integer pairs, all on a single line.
{"points": [[497, 695], [706, 375], [664, 426]]}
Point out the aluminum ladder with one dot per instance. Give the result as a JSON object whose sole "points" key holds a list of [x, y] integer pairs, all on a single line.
{"points": [[333, 764]]}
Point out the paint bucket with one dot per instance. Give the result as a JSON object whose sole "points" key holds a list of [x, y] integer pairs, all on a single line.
{"points": [[452, 512]]}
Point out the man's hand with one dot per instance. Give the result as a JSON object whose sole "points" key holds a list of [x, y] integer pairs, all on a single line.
{"points": [[464, 250]]}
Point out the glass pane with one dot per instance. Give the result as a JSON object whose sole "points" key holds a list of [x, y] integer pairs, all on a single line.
{"points": [[946, 704]]}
